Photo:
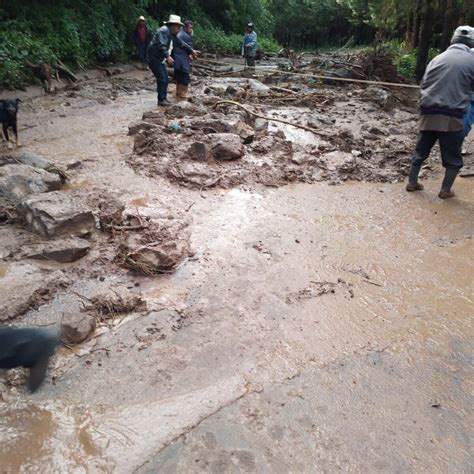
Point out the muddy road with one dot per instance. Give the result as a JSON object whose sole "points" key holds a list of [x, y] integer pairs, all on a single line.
{"points": [[299, 310]]}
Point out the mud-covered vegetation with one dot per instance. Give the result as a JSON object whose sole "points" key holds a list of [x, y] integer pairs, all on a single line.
{"points": [[83, 33]]}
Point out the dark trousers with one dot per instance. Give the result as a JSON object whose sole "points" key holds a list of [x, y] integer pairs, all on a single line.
{"points": [[450, 144], [182, 77], [141, 48], [250, 60], [161, 74]]}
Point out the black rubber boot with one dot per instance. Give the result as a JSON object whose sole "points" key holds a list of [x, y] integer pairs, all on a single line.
{"points": [[448, 181], [413, 184]]}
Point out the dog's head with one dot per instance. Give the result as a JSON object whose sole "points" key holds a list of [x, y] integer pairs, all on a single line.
{"points": [[11, 105]]}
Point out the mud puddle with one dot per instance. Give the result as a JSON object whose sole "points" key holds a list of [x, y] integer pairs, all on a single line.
{"points": [[286, 277]]}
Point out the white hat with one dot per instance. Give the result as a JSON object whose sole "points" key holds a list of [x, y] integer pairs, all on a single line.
{"points": [[465, 33], [141, 18], [174, 20]]}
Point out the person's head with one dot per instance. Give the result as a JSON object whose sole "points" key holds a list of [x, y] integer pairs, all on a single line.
{"points": [[249, 27], [174, 23], [141, 20], [188, 27], [464, 35]]}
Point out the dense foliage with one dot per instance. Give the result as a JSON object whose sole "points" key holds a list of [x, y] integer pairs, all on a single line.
{"points": [[82, 32]]}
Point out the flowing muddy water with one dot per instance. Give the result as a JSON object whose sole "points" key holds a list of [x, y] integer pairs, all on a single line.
{"points": [[314, 328]]}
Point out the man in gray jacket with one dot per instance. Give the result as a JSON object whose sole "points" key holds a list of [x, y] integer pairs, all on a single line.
{"points": [[159, 54], [445, 94]]}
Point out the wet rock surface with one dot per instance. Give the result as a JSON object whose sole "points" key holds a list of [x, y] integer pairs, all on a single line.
{"points": [[57, 214], [76, 327]]}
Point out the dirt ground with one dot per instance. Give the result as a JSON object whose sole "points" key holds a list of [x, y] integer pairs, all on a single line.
{"points": [[319, 318]]}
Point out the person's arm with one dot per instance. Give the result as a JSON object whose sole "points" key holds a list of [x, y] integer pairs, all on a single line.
{"points": [[162, 40], [182, 44]]}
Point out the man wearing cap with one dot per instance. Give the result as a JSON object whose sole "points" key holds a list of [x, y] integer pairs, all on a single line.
{"points": [[159, 54], [141, 38], [249, 46], [445, 95], [182, 61]]}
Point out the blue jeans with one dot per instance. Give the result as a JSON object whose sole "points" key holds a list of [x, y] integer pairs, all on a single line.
{"points": [[469, 119], [161, 74], [141, 48]]}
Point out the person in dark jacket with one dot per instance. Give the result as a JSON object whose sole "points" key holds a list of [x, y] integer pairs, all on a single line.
{"points": [[159, 54], [141, 38], [444, 100], [182, 61]]}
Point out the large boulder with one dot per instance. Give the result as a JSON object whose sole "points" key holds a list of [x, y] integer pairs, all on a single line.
{"points": [[57, 214], [226, 146], [18, 181], [76, 327]]}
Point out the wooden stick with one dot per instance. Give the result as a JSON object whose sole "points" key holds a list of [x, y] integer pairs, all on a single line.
{"points": [[271, 119]]}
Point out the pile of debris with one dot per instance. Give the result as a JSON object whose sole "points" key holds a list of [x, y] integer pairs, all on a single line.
{"points": [[151, 243], [202, 147]]}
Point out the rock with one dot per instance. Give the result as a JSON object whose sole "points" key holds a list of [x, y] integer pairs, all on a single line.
{"points": [[63, 251], [383, 98], [226, 146], [261, 125], [143, 126], [374, 129], [57, 214], [76, 327], [18, 181], [232, 124], [299, 158], [317, 119], [198, 151], [156, 117], [356, 153], [233, 91], [338, 160], [280, 134], [258, 87], [26, 286], [185, 109]]}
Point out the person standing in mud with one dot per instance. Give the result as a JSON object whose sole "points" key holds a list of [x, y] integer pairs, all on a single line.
{"points": [[141, 38], [249, 46], [445, 96], [159, 54], [182, 61]]}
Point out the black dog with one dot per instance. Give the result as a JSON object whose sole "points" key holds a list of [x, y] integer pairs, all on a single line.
{"points": [[8, 113], [27, 347]]}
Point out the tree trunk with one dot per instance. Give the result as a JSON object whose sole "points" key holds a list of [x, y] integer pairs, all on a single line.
{"points": [[409, 30], [450, 20], [417, 23], [426, 33], [465, 13]]}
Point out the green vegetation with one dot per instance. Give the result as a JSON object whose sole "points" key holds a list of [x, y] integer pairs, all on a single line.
{"points": [[79, 32]]}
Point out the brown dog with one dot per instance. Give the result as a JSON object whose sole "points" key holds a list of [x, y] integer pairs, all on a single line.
{"points": [[43, 72]]}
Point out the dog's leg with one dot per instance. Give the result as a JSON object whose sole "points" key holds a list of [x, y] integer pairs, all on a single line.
{"points": [[5, 133], [15, 131]]}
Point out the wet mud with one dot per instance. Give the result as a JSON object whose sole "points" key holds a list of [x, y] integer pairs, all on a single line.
{"points": [[292, 307]]}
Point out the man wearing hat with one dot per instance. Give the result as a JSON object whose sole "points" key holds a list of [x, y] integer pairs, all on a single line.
{"points": [[445, 95], [141, 38], [249, 46], [159, 54]]}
